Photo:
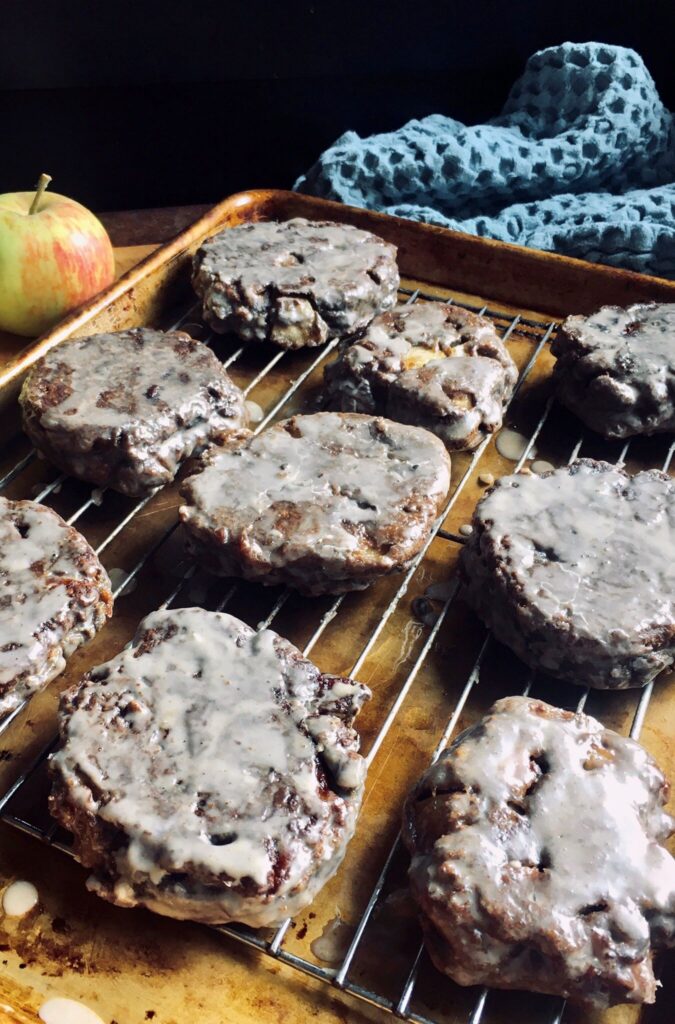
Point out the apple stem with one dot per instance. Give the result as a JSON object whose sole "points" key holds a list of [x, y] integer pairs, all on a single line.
{"points": [[42, 184]]}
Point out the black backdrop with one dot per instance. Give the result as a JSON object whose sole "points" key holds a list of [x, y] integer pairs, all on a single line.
{"points": [[131, 103]]}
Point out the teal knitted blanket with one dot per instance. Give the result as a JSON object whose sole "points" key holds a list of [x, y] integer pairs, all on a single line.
{"points": [[581, 161]]}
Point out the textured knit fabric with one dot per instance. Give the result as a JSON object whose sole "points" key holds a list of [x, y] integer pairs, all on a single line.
{"points": [[581, 161]]}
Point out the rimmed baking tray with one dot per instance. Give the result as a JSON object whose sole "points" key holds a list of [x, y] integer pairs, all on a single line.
{"points": [[355, 954]]}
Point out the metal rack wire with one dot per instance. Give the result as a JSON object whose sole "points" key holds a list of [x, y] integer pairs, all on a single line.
{"points": [[539, 334]]}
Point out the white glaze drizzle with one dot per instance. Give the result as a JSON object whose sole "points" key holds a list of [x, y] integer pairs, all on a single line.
{"points": [[511, 444], [594, 820], [345, 477], [540, 466], [40, 622], [227, 721], [334, 941], [150, 398], [605, 529], [295, 282], [255, 411], [616, 368], [456, 397], [435, 365], [19, 898], [118, 379], [60, 1010]]}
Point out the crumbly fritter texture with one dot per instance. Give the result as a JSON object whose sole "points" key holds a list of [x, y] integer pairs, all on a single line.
{"points": [[125, 409], [575, 571], [616, 369], [295, 283], [209, 771], [536, 857], [54, 595], [326, 503], [433, 365]]}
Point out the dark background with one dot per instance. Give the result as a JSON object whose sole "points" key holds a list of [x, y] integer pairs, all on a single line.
{"points": [[132, 103]]}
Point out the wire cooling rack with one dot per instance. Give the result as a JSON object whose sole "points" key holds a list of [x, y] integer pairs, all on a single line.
{"points": [[409, 997]]}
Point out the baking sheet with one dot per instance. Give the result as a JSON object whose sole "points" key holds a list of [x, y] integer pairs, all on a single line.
{"points": [[427, 659]]}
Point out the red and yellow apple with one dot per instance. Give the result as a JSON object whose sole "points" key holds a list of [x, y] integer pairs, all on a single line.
{"points": [[54, 254]]}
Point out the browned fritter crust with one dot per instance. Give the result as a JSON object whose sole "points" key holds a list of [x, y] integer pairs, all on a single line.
{"points": [[536, 857], [125, 409], [295, 283], [616, 368], [209, 771], [433, 365], [326, 503], [54, 595], [575, 571]]}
